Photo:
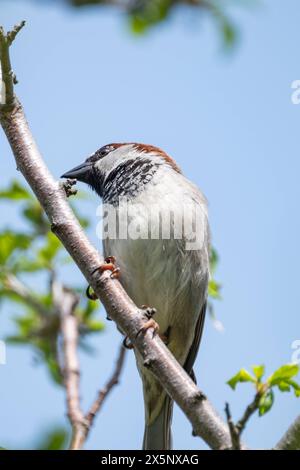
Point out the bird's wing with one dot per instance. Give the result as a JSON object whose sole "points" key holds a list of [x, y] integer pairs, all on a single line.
{"points": [[188, 365]]}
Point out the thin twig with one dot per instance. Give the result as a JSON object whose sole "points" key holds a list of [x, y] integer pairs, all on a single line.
{"points": [[237, 429], [104, 392], [250, 410], [234, 433], [8, 77]]}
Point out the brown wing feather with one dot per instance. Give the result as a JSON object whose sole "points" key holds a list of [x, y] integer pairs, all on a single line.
{"points": [[188, 365]]}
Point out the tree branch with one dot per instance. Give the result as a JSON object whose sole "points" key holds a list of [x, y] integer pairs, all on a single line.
{"points": [[291, 439], [237, 429], [104, 392], [8, 77], [250, 410], [66, 301], [14, 285], [234, 433], [205, 421]]}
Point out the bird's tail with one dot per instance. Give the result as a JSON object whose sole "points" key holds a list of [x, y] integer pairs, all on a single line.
{"points": [[157, 435]]}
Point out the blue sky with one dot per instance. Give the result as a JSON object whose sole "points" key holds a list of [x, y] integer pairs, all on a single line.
{"points": [[229, 122]]}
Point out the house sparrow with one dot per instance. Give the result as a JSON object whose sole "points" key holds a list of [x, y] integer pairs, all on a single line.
{"points": [[158, 267]]}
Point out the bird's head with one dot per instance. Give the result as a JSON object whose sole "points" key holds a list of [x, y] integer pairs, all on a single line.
{"points": [[121, 169]]}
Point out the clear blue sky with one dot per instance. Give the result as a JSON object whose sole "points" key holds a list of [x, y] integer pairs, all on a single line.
{"points": [[230, 124]]}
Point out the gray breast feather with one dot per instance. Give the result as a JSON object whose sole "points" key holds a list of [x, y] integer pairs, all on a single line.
{"points": [[161, 272]]}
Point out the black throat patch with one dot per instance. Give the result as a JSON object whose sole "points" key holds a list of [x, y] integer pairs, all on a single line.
{"points": [[126, 180]]}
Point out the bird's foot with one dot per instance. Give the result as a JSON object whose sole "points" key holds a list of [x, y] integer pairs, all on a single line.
{"points": [[127, 343], [151, 323], [149, 312], [108, 265]]}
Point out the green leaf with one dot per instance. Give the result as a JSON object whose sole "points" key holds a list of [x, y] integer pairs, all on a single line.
{"points": [[34, 214], [258, 371], [242, 376], [266, 402], [15, 192], [213, 260], [88, 310], [26, 265], [49, 250], [296, 387], [94, 326], [54, 440], [229, 33], [284, 387], [146, 14], [283, 374], [214, 289], [11, 241]]}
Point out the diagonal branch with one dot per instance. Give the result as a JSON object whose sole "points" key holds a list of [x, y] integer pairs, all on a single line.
{"points": [[205, 421], [291, 439]]}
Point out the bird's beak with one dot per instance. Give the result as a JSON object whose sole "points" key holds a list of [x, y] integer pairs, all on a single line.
{"points": [[80, 172]]}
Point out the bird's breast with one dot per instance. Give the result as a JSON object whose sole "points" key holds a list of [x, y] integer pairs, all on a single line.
{"points": [[157, 267]]}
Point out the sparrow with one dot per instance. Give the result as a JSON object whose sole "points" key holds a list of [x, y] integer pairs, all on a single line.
{"points": [[160, 264]]}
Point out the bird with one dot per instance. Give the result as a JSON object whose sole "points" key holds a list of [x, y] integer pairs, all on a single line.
{"points": [[165, 269]]}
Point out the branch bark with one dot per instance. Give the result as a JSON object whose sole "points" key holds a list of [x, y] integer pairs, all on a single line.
{"points": [[291, 439], [65, 301], [237, 429]]}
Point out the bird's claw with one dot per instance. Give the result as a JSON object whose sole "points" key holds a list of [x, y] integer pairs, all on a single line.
{"points": [[127, 343], [149, 324], [108, 265], [149, 312]]}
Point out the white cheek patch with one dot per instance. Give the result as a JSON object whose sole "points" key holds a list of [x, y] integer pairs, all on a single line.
{"points": [[116, 157]]}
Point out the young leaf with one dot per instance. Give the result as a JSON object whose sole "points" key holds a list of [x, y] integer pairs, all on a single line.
{"points": [[283, 374], [214, 289], [258, 371], [284, 387], [296, 387], [242, 376], [266, 402]]}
